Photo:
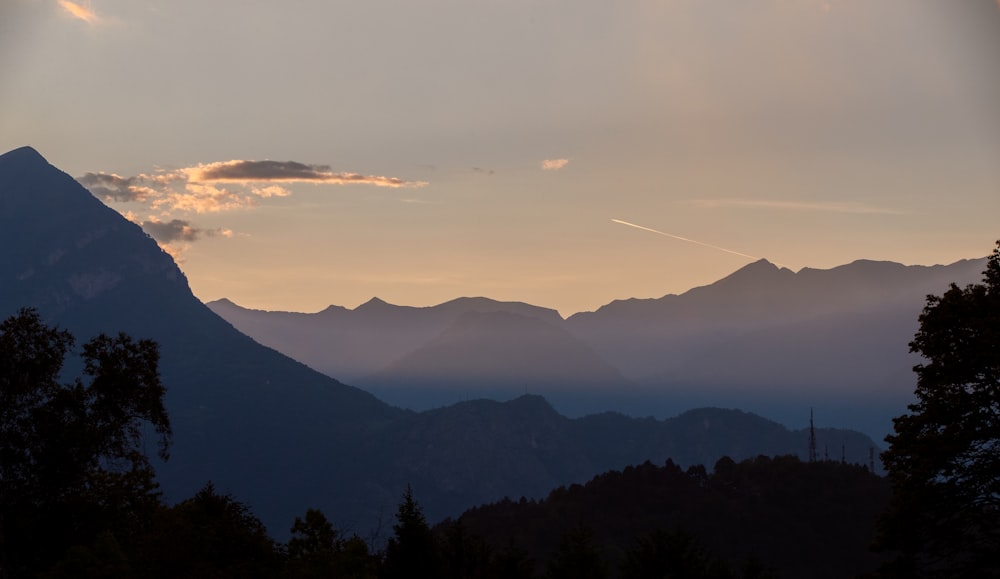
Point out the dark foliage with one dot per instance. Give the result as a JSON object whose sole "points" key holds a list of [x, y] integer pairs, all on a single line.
{"points": [[577, 557], [317, 550], [411, 551], [207, 535], [944, 458], [742, 520], [73, 471]]}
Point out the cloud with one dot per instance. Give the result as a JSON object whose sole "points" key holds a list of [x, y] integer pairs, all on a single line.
{"points": [[286, 172], [79, 11], [223, 186], [848, 207], [111, 187], [175, 230], [554, 164], [199, 198]]}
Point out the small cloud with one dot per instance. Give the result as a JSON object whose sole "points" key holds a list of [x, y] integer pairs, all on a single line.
{"points": [[554, 164], [848, 207], [79, 11], [270, 191], [112, 187], [492, 172], [168, 231], [175, 230]]}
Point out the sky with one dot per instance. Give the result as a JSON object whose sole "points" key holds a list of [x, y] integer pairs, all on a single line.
{"points": [[565, 153]]}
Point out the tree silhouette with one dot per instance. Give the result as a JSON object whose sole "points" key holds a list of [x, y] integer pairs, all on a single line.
{"points": [[411, 551], [71, 459], [578, 557], [207, 535], [677, 554], [944, 458], [316, 549]]}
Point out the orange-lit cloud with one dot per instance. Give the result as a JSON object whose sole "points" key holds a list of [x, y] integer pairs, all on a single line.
{"points": [[554, 164], [200, 198], [223, 186], [79, 11], [286, 172]]}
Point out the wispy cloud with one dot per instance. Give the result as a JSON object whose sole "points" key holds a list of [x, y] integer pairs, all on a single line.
{"points": [[286, 172], [223, 186], [554, 164], [176, 235], [825, 207], [79, 11], [179, 230]]}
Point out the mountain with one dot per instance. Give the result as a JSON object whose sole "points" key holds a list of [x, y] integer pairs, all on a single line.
{"points": [[282, 437], [764, 338], [773, 341], [355, 344], [500, 355], [479, 451], [244, 416]]}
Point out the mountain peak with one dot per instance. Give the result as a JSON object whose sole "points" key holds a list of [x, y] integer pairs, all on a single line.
{"points": [[373, 304], [23, 155], [760, 271]]}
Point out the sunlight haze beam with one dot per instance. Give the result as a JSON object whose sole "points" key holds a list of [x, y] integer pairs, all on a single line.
{"points": [[79, 11]]}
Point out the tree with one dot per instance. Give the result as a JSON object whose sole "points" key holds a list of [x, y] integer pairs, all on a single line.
{"points": [[943, 460], [411, 551], [71, 459], [677, 554], [577, 557], [207, 535], [316, 549]]}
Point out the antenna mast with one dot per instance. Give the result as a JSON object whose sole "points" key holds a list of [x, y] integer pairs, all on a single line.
{"points": [[812, 437]]}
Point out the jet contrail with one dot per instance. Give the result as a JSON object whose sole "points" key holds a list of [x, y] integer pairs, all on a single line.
{"points": [[684, 239]]}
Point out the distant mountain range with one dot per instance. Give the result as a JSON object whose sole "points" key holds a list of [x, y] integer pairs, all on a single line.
{"points": [[283, 437], [764, 338]]}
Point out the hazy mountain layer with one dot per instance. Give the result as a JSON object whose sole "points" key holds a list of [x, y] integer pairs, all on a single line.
{"points": [[764, 339]]}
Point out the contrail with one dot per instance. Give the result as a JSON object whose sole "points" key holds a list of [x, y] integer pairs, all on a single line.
{"points": [[685, 239]]}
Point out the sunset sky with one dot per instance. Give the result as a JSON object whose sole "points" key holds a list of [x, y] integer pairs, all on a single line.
{"points": [[304, 153]]}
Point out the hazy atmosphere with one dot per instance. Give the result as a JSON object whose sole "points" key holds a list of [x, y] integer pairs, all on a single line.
{"points": [[293, 155]]}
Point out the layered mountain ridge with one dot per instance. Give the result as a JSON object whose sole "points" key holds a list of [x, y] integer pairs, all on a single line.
{"points": [[764, 339]]}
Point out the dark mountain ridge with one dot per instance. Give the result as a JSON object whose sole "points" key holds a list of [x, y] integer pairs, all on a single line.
{"points": [[801, 519], [244, 416]]}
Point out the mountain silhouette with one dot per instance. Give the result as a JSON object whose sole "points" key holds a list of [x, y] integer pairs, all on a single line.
{"points": [[764, 338], [772, 341], [246, 417], [283, 437], [500, 355], [354, 345]]}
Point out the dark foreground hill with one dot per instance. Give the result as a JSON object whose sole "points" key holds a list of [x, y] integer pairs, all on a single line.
{"points": [[799, 519], [283, 437]]}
